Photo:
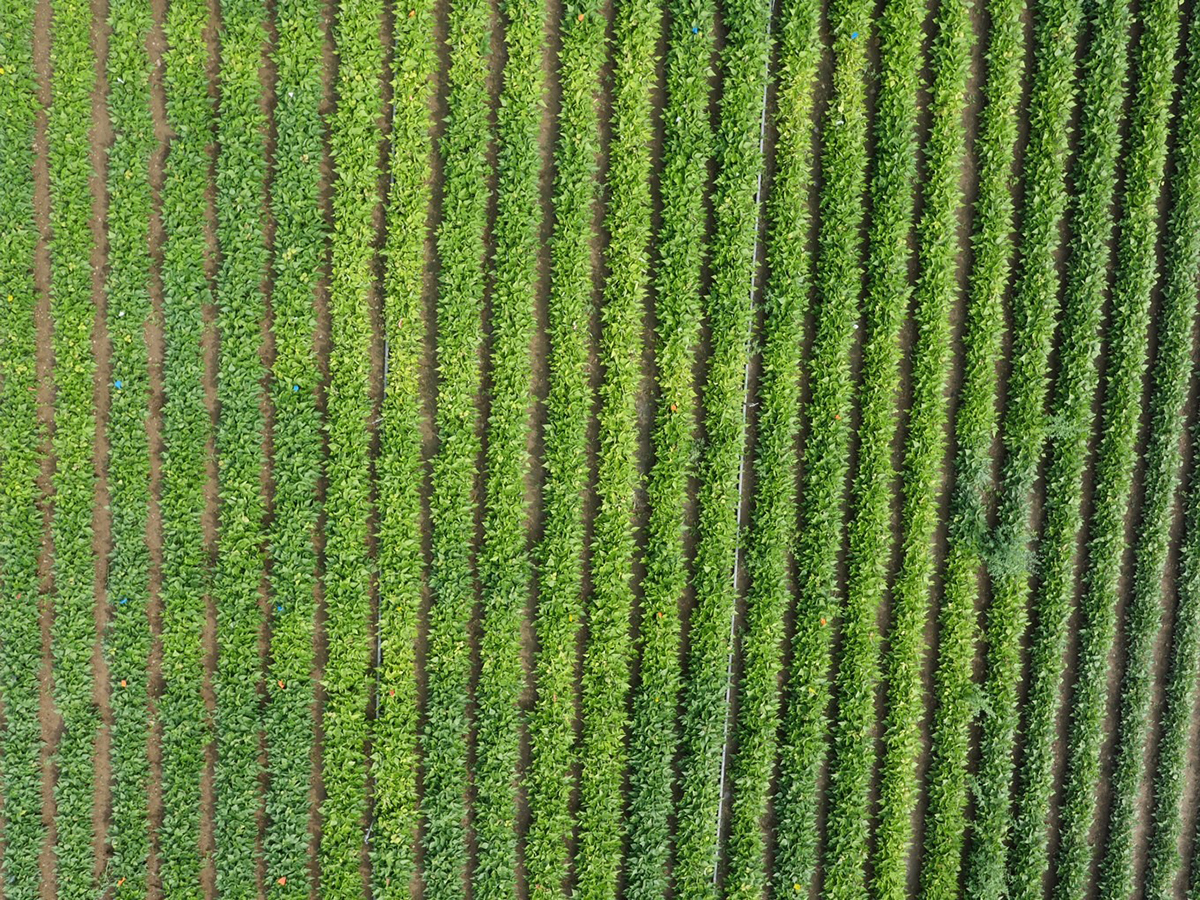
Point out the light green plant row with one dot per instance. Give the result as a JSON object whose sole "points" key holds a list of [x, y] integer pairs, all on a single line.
{"points": [[73, 313], [870, 542], [241, 174], [186, 431], [1135, 281], [400, 468], [729, 311], [1115, 461], [1025, 431], [1136, 277], [680, 249], [935, 296], [838, 284], [1169, 378], [466, 170], [354, 145], [773, 528], [1070, 429], [297, 257], [604, 685], [504, 565], [127, 642], [568, 404], [974, 435], [22, 442]]}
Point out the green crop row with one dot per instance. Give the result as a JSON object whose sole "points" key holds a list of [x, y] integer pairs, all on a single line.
{"points": [[730, 315], [1169, 379], [1103, 90], [680, 252], [1115, 460], [240, 173], [22, 439], [885, 304], [186, 430], [354, 145], [400, 467], [504, 566], [604, 685], [838, 283], [1025, 428], [297, 256], [73, 312], [1133, 288], [935, 297], [568, 406], [127, 642], [974, 434], [773, 529], [466, 171]]}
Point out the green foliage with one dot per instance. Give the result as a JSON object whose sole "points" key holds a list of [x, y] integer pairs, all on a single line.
{"points": [[241, 174], [568, 406], [1115, 459], [974, 434], [73, 313], [504, 570], [354, 142], [127, 642], [1169, 379], [22, 442], [1025, 429], [838, 283], [1133, 289], [604, 685], [186, 430], [299, 251], [729, 312], [852, 738], [465, 173], [924, 450], [773, 529], [400, 465], [679, 252]]}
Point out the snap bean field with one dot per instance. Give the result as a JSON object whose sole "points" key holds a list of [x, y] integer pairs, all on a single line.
{"points": [[599, 449]]}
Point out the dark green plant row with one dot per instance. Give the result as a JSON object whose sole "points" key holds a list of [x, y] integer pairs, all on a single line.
{"points": [[128, 309], [679, 257], [355, 140], [1033, 312], [1170, 376], [22, 444], [187, 428], [297, 257], [838, 282], [241, 170], [504, 564], [466, 171], [1115, 459], [772, 533], [1102, 92], [73, 69], [604, 683], [893, 172], [1134, 282], [400, 467], [730, 316], [584, 49], [974, 434], [1025, 429], [935, 296]]}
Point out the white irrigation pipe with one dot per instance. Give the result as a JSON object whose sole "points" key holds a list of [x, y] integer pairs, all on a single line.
{"points": [[737, 556]]}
